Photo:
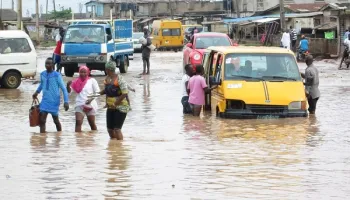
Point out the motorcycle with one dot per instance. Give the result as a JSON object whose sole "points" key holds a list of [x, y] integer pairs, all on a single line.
{"points": [[301, 55]]}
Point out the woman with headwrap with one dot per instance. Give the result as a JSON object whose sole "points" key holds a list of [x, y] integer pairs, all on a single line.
{"points": [[84, 86], [116, 91]]}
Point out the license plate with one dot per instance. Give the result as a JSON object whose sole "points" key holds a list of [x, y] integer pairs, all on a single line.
{"points": [[268, 117], [81, 64]]}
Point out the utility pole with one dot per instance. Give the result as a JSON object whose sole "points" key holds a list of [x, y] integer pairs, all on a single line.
{"points": [[19, 14], [1, 25], [13, 4], [115, 8], [171, 10], [238, 12], [37, 22], [282, 16], [47, 7], [54, 5]]}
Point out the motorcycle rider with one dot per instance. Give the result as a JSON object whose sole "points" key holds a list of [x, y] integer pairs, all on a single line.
{"points": [[303, 45]]}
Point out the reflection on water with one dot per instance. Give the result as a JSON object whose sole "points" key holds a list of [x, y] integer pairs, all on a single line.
{"points": [[117, 179], [166, 155]]}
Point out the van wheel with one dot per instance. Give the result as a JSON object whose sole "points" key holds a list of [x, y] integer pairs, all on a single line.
{"points": [[124, 65], [12, 80], [69, 70]]}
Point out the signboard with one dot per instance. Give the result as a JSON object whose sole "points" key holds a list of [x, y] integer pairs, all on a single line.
{"points": [[123, 28]]}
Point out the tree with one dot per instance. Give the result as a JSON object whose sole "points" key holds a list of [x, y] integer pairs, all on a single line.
{"points": [[62, 14]]}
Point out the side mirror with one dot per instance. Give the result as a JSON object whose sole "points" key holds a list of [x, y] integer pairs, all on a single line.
{"points": [[109, 37], [213, 82], [189, 45]]}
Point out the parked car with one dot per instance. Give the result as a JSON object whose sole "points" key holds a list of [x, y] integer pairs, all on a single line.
{"points": [[135, 40], [254, 82], [18, 58], [193, 52]]}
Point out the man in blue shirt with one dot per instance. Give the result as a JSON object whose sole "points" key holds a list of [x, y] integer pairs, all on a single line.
{"points": [[51, 83], [304, 44]]}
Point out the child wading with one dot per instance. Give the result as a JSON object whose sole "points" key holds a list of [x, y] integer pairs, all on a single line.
{"points": [[184, 82], [197, 89]]}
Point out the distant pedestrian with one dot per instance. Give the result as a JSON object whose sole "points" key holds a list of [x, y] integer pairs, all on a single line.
{"points": [[285, 40], [146, 52], [57, 52], [184, 83], [294, 37], [196, 89], [50, 83], [347, 32], [311, 77]]}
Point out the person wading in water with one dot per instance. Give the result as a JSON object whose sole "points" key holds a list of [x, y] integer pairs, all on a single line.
{"points": [[50, 83], [83, 86], [116, 91], [146, 52], [196, 89]]}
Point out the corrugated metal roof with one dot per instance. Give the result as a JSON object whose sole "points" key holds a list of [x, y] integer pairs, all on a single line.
{"points": [[288, 15]]}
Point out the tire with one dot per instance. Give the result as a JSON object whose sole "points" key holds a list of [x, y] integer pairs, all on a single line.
{"points": [[11, 80], [69, 71], [124, 65]]}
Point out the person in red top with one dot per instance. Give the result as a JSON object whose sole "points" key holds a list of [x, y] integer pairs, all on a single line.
{"points": [[57, 52]]}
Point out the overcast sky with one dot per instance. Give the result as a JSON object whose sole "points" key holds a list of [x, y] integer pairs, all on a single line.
{"points": [[30, 5]]}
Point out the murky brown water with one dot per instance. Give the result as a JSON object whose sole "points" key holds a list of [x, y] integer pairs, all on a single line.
{"points": [[168, 156]]}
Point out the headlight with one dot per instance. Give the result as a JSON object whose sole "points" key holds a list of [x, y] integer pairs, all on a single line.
{"points": [[64, 58], [102, 58], [67, 58], [297, 105], [197, 56]]}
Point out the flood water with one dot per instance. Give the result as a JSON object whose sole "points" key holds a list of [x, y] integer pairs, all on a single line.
{"points": [[166, 155]]}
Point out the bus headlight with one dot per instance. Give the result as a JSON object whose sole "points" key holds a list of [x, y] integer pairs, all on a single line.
{"points": [[297, 105]]}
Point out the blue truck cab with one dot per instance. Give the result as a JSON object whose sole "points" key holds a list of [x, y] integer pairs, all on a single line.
{"points": [[93, 44]]}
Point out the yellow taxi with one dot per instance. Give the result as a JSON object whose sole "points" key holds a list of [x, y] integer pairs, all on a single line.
{"points": [[254, 82]]}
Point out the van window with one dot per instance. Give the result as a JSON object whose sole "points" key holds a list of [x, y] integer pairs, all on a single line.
{"points": [[171, 32], [262, 66], [15, 45]]}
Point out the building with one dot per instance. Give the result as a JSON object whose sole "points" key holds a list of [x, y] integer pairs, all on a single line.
{"points": [[251, 6], [155, 8]]}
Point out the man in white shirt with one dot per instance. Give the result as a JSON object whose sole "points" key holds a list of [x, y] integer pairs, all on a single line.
{"points": [[286, 40], [184, 82]]}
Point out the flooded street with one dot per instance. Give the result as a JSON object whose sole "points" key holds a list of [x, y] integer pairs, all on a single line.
{"points": [[166, 155]]}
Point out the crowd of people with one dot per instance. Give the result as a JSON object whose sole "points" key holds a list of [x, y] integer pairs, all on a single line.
{"points": [[86, 90], [289, 41]]}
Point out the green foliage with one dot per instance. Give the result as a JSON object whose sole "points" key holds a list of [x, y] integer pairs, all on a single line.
{"points": [[61, 14]]}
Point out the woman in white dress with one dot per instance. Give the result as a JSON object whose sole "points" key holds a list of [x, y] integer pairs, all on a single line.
{"points": [[83, 86]]}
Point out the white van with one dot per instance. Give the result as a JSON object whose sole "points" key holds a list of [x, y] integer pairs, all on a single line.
{"points": [[17, 58]]}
